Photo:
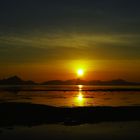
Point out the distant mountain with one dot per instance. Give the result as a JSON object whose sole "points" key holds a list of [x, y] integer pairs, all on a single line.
{"points": [[67, 82], [53, 82], [113, 82], [15, 80], [93, 82]]}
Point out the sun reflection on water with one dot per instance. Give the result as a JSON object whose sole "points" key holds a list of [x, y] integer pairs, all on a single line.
{"points": [[80, 87], [79, 99]]}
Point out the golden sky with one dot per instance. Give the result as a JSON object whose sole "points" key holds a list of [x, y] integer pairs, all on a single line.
{"points": [[51, 40]]}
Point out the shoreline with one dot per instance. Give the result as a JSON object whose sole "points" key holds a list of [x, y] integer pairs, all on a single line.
{"points": [[27, 114]]}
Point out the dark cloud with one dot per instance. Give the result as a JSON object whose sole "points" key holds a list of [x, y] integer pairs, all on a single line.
{"points": [[27, 19], [98, 15]]}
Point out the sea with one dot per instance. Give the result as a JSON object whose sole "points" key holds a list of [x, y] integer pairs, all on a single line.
{"points": [[72, 96]]}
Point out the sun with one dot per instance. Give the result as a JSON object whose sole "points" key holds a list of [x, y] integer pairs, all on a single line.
{"points": [[80, 72]]}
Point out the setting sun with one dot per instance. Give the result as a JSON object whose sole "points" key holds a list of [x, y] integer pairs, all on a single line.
{"points": [[80, 72]]}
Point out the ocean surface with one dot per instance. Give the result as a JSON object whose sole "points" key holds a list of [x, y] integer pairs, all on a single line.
{"points": [[101, 131], [72, 96]]}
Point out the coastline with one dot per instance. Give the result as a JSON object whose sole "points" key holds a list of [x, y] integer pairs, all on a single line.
{"points": [[27, 114]]}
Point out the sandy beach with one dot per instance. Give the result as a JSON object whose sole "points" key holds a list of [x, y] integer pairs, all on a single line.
{"points": [[32, 114]]}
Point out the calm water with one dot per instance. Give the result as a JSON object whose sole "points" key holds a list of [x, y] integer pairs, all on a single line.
{"points": [[71, 96], [101, 131]]}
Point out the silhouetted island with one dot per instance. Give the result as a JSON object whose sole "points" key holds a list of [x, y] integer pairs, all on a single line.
{"points": [[15, 80], [93, 82]]}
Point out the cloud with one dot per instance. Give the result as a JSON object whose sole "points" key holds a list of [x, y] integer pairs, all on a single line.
{"points": [[68, 46], [98, 16]]}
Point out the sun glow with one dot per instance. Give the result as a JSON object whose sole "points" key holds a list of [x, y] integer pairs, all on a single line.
{"points": [[80, 72]]}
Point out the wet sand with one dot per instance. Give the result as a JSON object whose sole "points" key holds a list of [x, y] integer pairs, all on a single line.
{"points": [[26, 114]]}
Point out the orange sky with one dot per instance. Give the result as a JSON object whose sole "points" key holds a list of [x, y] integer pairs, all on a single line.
{"points": [[51, 39], [64, 70]]}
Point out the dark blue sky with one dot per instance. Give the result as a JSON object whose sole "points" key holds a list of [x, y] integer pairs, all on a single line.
{"points": [[81, 15]]}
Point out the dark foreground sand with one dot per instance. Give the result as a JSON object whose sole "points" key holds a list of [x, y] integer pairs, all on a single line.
{"points": [[26, 114]]}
